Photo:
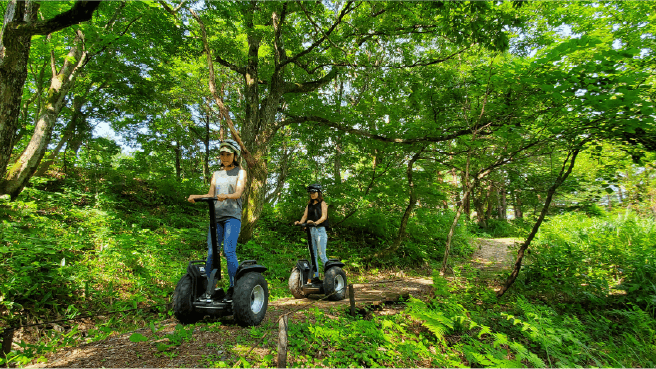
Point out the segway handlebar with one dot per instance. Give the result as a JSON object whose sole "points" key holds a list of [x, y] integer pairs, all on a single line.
{"points": [[308, 225], [205, 199]]}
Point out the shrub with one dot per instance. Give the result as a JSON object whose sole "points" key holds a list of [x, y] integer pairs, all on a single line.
{"points": [[589, 259]]}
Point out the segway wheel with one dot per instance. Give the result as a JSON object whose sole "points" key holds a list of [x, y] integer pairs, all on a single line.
{"points": [[334, 284], [250, 299], [182, 302], [296, 284]]}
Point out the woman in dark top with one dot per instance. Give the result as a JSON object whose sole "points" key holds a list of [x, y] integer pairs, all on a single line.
{"points": [[316, 212]]}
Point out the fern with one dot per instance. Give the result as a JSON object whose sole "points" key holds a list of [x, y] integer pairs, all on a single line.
{"points": [[434, 320]]}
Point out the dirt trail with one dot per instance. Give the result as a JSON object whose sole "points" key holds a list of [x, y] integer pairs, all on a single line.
{"points": [[494, 255], [213, 342]]}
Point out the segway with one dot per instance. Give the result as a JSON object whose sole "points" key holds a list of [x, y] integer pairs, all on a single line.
{"points": [[195, 295], [333, 284]]}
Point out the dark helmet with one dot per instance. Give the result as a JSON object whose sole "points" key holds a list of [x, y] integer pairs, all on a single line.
{"points": [[314, 188], [232, 145]]}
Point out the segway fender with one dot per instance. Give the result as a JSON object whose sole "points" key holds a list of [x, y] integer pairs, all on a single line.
{"points": [[249, 266], [332, 263], [305, 268], [198, 281]]}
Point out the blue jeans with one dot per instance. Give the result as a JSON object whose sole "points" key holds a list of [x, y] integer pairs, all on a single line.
{"points": [[227, 233], [320, 238]]}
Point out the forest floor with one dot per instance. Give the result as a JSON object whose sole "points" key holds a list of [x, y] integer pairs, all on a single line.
{"points": [[494, 254], [214, 341]]}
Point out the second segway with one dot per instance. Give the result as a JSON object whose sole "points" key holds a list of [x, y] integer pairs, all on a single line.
{"points": [[334, 282]]}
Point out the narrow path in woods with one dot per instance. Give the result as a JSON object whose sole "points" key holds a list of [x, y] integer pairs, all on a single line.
{"points": [[494, 254], [216, 340]]}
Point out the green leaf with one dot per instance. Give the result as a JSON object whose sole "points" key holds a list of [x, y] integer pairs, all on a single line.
{"points": [[163, 347], [138, 337]]}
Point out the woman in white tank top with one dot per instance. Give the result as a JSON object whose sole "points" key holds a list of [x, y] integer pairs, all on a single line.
{"points": [[227, 185]]}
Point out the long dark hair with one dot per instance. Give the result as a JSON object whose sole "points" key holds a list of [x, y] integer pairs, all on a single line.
{"points": [[319, 198]]}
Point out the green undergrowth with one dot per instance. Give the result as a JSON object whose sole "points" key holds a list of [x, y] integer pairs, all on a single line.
{"points": [[462, 324], [72, 248], [76, 247], [595, 261]]}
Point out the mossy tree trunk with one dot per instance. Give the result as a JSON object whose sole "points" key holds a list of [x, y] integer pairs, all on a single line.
{"points": [[62, 81], [20, 24]]}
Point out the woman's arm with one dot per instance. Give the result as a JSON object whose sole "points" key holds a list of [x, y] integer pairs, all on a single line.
{"points": [[324, 213], [241, 183], [304, 216], [210, 193]]}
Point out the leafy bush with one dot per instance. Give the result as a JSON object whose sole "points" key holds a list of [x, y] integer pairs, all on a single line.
{"points": [[427, 236], [524, 333], [501, 228], [590, 259]]}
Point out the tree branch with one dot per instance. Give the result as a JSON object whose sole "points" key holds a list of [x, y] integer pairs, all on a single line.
{"points": [[347, 9], [565, 171], [298, 87], [229, 65], [173, 12], [82, 11], [225, 113]]}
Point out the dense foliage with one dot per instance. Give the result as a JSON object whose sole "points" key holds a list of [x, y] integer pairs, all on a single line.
{"points": [[429, 124], [123, 242]]}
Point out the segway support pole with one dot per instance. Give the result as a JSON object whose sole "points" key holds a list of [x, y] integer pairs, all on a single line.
{"points": [[216, 261]]}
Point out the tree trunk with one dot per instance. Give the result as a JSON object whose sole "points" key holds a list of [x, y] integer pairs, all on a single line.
{"points": [[19, 26], [562, 176], [206, 158], [466, 200], [14, 55], [456, 198], [75, 124], [178, 167], [449, 236], [503, 203], [490, 202], [479, 204], [619, 195], [411, 205], [256, 195], [25, 167], [517, 207]]}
